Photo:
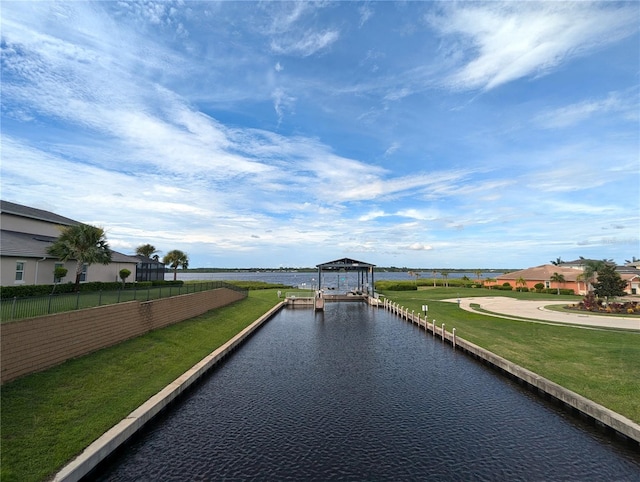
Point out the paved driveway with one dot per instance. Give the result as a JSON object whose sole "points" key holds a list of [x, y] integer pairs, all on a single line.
{"points": [[509, 307]]}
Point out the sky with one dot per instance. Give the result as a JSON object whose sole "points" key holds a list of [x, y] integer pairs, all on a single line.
{"points": [[289, 134]]}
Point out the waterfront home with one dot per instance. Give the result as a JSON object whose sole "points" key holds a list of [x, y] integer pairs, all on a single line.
{"points": [[24, 238]]}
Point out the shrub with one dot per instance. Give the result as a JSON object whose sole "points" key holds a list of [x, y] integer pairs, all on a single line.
{"points": [[25, 291], [554, 291], [395, 286], [539, 287], [504, 287]]}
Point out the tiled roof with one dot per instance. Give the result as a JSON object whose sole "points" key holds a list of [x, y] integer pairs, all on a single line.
{"points": [[27, 245], [542, 273], [33, 213]]}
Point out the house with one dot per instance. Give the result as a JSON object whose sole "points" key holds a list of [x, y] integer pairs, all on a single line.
{"points": [[573, 278], [573, 274], [24, 238]]}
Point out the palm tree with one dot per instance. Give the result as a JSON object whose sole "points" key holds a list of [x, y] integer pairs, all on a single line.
{"points": [[478, 273], [445, 276], [521, 282], [146, 250], [557, 278], [176, 259], [84, 243], [591, 268], [416, 275], [557, 262]]}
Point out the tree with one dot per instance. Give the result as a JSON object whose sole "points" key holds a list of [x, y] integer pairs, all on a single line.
{"points": [[592, 267], [558, 278], [609, 283], [146, 250], [478, 273], [557, 262], [59, 272], [124, 274], [445, 276], [84, 243], [175, 259], [521, 282]]}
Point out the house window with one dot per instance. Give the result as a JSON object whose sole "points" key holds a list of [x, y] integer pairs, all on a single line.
{"points": [[547, 284], [83, 275], [20, 270]]}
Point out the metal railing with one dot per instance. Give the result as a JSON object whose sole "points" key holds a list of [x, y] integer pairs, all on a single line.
{"points": [[30, 307], [300, 294]]}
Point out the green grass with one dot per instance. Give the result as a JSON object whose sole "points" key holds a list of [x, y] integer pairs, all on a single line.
{"points": [[602, 365], [48, 418]]}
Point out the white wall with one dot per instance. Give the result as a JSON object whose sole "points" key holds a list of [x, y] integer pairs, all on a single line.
{"points": [[44, 271]]}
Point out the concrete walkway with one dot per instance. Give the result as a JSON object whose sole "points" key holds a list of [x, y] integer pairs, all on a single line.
{"points": [[535, 310]]}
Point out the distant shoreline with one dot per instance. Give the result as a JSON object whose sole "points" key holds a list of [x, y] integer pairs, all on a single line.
{"points": [[377, 269]]}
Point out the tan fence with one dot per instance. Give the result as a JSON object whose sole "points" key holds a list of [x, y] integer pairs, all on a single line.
{"points": [[32, 345]]}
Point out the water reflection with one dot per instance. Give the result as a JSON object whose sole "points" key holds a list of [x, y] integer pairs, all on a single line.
{"points": [[356, 394]]}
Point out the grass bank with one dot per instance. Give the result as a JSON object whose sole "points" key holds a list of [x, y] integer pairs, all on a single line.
{"points": [[602, 365], [48, 418]]}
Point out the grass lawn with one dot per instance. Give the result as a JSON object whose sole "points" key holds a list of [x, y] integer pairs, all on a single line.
{"points": [[48, 418], [602, 365]]}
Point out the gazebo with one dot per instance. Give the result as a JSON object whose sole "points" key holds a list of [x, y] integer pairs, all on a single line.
{"points": [[362, 269]]}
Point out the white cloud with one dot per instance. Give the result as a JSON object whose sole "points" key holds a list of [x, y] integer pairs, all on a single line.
{"points": [[419, 247], [306, 44], [504, 41], [570, 115], [282, 101], [366, 13]]}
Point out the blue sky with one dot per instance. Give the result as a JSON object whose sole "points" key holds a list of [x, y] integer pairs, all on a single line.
{"points": [[418, 134]]}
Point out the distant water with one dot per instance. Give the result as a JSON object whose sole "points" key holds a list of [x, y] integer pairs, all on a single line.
{"points": [[341, 281], [354, 393]]}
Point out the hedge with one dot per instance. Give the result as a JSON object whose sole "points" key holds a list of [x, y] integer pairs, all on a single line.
{"points": [[24, 291], [395, 286]]}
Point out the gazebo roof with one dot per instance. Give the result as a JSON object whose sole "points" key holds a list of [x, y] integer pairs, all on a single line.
{"points": [[346, 264]]}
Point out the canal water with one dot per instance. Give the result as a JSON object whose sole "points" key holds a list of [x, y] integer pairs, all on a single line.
{"points": [[355, 393]]}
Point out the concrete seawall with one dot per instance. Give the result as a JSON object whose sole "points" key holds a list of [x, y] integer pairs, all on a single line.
{"points": [[136, 420], [597, 413]]}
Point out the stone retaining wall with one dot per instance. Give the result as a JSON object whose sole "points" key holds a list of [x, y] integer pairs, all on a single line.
{"points": [[35, 344]]}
